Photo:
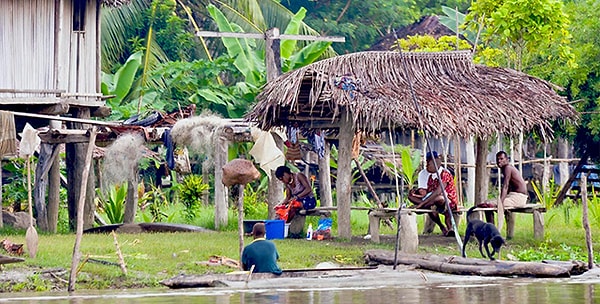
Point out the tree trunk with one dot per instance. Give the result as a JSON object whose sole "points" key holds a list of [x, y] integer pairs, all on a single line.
{"points": [[481, 171], [325, 178], [344, 174]]}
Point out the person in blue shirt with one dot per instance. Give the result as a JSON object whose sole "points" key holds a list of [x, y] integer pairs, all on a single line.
{"points": [[261, 253]]}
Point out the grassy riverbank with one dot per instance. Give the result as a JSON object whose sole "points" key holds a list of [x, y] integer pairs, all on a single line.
{"points": [[153, 257]]}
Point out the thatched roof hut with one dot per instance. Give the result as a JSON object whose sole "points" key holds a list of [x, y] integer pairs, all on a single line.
{"points": [[456, 96], [374, 90]]}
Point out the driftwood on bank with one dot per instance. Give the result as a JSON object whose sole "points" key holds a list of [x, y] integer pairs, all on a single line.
{"points": [[4, 259], [221, 280], [480, 267]]}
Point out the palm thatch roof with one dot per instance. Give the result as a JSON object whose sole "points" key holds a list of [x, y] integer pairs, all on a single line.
{"points": [[456, 97]]}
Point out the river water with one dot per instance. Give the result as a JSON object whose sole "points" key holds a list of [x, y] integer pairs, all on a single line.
{"points": [[515, 291]]}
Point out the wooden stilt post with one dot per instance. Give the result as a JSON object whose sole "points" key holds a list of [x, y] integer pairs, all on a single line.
{"points": [[80, 206]]}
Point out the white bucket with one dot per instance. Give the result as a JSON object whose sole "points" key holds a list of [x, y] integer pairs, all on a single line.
{"points": [[286, 230]]}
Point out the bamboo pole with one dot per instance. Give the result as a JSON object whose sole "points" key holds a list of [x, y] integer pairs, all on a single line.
{"points": [[119, 254], [80, 205], [586, 222], [241, 220]]}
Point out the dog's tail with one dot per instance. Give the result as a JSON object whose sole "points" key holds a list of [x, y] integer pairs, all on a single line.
{"points": [[470, 211]]}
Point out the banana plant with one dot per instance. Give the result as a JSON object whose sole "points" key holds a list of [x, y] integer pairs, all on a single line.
{"points": [[454, 20], [410, 163], [246, 60], [250, 60], [119, 85]]}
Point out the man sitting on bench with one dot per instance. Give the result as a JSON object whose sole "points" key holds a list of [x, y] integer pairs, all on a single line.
{"points": [[435, 197], [514, 189]]}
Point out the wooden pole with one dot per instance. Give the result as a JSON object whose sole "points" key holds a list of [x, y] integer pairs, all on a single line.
{"points": [[458, 170], [241, 220], [344, 174], [221, 196], [80, 206], [325, 178], [1, 202], [586, 222], [499, 182]]}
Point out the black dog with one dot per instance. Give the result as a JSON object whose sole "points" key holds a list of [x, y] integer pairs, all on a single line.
{"points": [[485, 233]]}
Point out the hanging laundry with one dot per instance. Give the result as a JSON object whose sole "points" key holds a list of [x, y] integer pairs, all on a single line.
{"points": [[8, 134], [265, 151]]}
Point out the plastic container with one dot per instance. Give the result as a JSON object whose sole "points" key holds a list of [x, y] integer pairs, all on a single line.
{"points": [[309, 232], [286, 230], [275, 229]]}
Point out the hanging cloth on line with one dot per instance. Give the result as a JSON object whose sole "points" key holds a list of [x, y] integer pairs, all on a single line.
{"points": [[8, 134]]}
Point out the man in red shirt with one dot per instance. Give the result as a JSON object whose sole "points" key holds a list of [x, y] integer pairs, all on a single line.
{"points": [[436, 197]]}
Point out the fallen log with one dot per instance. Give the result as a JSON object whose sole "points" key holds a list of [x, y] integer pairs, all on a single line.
{"points": [[469, 266], [220, 280]]}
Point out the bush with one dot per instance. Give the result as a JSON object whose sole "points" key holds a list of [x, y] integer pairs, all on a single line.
{"points": [[190, 192]]}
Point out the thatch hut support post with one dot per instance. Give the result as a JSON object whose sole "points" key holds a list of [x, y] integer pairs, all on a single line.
{"points": [[481, 174], [325, 177], [273, 66], [275, 191], [562, 152], [221, 205], [344, 174], [470, 147], [520, 152]]}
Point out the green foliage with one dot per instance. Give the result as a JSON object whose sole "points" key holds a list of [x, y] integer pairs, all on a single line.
{"points": [[411, 160], [247, 61], [428, 43], [255, 203], [364, 22], [548, 197], [198, 83], [113, 204], [549, 251], [522, 29], [190, 193], [120, 84], [455, 20], [156, 202], [14, 192]]}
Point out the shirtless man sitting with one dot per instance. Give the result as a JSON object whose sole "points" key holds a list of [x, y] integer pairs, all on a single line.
{"points": [[514, 189]]}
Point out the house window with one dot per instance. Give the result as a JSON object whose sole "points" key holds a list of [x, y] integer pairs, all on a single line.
{"points": [[79, 15]]}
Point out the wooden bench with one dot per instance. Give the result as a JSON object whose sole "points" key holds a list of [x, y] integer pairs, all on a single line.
{"points": [[537, 210], [377, 214]]}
